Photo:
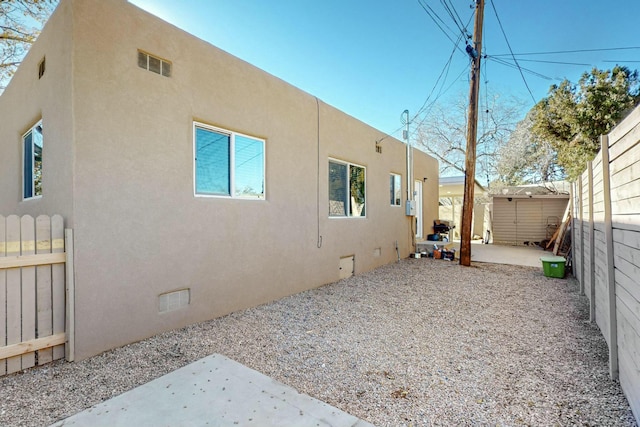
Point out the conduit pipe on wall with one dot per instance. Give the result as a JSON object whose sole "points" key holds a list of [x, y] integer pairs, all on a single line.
{"points": [[406, 138]]}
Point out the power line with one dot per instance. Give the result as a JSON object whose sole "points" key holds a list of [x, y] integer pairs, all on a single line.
{"points": [[460, 19], [432, 103], [445, 72], [433, 15], [454, 15], [554, 62], [569, 51], [493, 6], [446, 68], [508, 64]]}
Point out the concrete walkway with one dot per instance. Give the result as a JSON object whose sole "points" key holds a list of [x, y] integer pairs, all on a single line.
{"points": [[213, 391]]}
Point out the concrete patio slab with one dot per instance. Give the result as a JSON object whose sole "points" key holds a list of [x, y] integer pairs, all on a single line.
{"points": [[513, 255], [213, 391], [497, 254]]}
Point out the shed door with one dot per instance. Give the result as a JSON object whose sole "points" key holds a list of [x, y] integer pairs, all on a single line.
{"points": [[529, 224], [504, 221]]}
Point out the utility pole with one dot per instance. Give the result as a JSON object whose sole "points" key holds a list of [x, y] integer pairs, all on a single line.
{"points": [[475, 53]]}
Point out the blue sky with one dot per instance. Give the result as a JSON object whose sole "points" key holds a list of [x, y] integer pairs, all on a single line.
{"points": [[373, 59]]}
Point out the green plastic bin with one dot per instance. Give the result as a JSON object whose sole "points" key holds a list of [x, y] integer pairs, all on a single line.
{"points": [[553, 266]]}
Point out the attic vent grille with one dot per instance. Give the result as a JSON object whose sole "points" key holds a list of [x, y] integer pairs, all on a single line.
{"points": [[154, 64]]}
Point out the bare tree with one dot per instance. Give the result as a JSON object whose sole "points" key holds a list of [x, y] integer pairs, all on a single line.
{"points": [[528, 158], [20, 24], [442, 133]]}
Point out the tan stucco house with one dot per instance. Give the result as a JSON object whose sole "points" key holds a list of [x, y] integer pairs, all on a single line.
{"points": [[195, 183]]}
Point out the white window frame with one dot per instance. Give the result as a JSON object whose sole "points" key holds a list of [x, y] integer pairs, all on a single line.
{"points": [[32, 162], [348, 215], [395, 203], [232, 169]]}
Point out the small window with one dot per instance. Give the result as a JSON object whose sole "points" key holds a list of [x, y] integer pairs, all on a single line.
{"points": [[32, 143], [395, 182], [228, 164], [154, 64], [41, 68], [347, 189]]}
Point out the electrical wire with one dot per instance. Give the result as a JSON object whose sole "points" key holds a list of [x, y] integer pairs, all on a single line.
{"points": [[442, 77], [508, 64], [433, 15], [554, 62], [568, 51], [453, 13], [445, 71], [511, 50], [432, 103]]}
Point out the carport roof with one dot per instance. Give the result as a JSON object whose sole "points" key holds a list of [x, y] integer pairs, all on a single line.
{"points": [[453, 186]]}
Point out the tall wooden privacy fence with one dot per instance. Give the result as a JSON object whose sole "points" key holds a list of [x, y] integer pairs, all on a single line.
{"points": [[606, 239], [33, 294]]}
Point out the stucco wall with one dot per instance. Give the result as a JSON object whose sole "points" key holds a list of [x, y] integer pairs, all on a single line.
{"points": [[28, 99], [140, 231]]}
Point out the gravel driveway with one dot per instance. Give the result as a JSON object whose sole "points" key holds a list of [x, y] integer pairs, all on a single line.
{"points": [[419, 342]]}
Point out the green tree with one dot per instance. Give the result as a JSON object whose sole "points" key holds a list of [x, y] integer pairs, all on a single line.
{"points": [[573, 116], [20, 24]]}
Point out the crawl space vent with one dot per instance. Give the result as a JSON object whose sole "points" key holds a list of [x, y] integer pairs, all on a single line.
{"points": [[175, 300]]}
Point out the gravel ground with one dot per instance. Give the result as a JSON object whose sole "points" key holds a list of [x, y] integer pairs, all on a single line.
{"points": [[419, 342]]}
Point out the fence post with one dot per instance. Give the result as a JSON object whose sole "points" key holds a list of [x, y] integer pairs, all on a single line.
{"points": [[3, 295], [13, 300], [70, 291], [574, 243], [581, 211], [610, 274], [592, 247]]}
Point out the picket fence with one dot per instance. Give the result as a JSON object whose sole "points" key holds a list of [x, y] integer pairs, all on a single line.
{"points": [[36, 313], [606, 248]]}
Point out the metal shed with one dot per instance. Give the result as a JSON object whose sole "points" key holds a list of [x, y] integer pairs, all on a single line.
{"points": [[527, 219]]}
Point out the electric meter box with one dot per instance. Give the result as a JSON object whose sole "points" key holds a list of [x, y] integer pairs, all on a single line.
{"points": [[411, 208]]}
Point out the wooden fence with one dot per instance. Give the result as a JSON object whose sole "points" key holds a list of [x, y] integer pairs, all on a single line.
{"points": [[34, 303], [606, 248]]}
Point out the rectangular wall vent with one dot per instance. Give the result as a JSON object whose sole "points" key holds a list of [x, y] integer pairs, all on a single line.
{"points": [[175, 300], [154, 64]]}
